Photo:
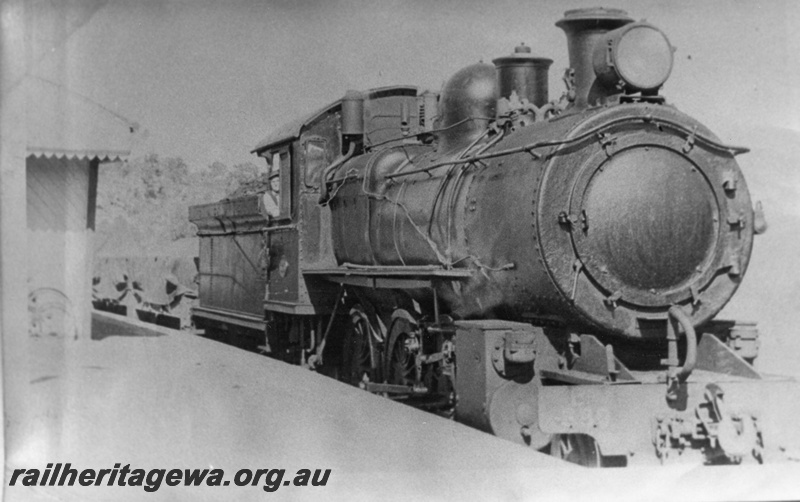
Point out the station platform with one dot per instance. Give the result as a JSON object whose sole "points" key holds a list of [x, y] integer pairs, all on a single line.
{"points": [[155, 398]]}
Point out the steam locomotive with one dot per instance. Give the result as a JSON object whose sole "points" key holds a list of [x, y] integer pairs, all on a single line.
{"points": [[548, 271]]}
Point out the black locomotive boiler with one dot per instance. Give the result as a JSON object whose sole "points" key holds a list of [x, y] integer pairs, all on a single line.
{"points": [[545, 270]]}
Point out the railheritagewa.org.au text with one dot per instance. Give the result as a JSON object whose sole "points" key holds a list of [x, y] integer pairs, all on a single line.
{"points": [[58, 474]]}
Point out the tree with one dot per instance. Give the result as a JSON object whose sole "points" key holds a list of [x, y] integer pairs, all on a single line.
{"points": [[153, 194]]}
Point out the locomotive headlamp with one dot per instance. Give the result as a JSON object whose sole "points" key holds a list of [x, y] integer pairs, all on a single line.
{"points": [[636, 57]]}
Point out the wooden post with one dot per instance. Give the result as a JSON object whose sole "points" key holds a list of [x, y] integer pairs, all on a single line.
{"points": [[94, 165], [13, 234]]}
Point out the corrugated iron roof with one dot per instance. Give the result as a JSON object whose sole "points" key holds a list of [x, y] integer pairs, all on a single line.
{"points": [[61, 123], [52, 153]]}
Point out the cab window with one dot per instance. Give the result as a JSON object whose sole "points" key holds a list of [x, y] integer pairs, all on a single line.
{"points": [[280, 180], [316, 160]]}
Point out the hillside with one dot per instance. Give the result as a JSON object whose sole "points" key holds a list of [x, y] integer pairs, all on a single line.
{"points": [[142, 205]]}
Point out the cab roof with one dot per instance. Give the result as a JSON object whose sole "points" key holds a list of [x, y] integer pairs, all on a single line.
{"points": [[293, 129]]}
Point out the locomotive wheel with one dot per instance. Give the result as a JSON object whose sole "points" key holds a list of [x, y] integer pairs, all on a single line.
{"points": [[434, 391], [400, 360], [361, 360], [579, 449]]}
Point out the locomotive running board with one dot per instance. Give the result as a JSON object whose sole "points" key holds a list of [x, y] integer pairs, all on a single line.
{"points": [[597, 365], [389, 277], [574, 377], [387, 388]]}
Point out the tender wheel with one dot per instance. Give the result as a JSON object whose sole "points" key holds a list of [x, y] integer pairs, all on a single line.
{"points": [[579, 449], [361, 360]]}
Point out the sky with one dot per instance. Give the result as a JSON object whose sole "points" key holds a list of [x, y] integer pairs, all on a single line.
{"points": [[207, 80]]}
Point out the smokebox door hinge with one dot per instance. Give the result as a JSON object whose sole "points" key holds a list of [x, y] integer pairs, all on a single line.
{"points": [[736, 221], [607, 141], [729, 181], [690, 139], [612, 300], [571, 221]]}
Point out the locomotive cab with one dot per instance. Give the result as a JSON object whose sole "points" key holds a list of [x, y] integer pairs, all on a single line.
{"points": [[253, 262]]}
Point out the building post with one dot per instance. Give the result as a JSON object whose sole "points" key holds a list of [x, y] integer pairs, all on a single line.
{"points": [[13, 227]]}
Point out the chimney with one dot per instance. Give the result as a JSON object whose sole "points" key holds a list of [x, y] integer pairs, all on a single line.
{"points": [[584, 27]]}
